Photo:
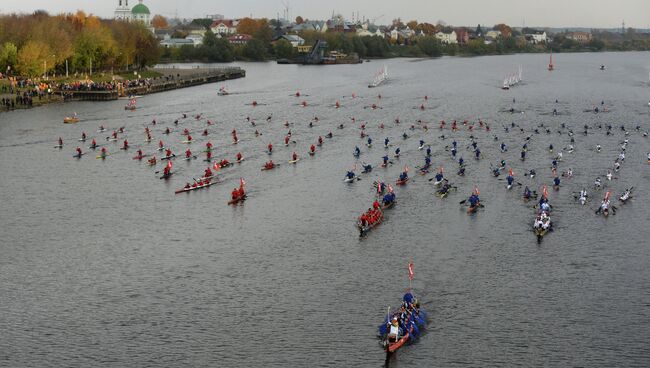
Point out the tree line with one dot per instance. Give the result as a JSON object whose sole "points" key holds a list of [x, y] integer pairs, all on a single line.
{"points": [[39, 43]]}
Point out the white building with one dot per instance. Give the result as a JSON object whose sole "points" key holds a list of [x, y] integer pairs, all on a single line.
{"points": [[140, 12], [447, 38]]}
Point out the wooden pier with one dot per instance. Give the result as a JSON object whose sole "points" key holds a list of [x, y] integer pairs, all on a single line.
{"points": [[172, 78]]}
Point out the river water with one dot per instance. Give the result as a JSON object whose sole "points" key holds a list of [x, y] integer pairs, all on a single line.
{"points": [[104, 266]]}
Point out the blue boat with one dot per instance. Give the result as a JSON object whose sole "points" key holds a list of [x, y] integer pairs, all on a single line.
{"points": [[409, 319]]}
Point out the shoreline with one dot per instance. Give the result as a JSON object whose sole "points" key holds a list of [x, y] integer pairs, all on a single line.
{"points": [[171, 78]]}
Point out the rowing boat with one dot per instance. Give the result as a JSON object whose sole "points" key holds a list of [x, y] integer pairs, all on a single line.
{"points": [[414, 321], [237, 200], [183, 190], [363, 229]]}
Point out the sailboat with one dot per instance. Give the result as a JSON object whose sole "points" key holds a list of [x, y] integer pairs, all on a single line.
{"points": [[550, 62], [380, 77]]}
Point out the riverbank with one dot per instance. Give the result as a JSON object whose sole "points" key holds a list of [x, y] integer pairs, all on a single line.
{"points": [[167, 79]]}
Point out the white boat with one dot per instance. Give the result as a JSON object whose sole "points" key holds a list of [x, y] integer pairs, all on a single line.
{"points": [[222, 91], [380, 77]]}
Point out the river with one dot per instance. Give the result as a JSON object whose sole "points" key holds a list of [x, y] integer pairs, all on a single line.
{"points": [[104, 266]]}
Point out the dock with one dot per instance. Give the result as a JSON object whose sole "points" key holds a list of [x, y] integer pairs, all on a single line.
{"points": [[172, 78]]}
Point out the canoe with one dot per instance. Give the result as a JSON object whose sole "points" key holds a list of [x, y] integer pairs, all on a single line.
{"points": [[237, 200], [183, 190]]}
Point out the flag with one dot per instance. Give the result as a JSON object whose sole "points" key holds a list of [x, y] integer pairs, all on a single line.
{"points": [[544, 192], [242, 182], [410, 270], [510, 172], [216, 166], [607, 196], [169, 164]]}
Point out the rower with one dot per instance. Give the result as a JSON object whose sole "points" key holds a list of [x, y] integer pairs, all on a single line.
{"points": [[188, 153], [187, 186], [527, 193], [207, 174]]}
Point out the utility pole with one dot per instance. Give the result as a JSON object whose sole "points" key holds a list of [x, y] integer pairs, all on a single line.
{"points": [[66, 68]]}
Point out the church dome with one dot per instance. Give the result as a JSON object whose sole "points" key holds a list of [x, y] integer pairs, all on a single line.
{"points": [[140, 9]]}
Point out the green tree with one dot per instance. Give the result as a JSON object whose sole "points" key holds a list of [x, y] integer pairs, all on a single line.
{"points": [[8, 56], [33, 57], [209, 39], [283, 49], [255, 50], [430, 46], [203, 22]]}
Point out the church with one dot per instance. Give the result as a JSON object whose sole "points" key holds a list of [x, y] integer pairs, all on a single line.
{"points": [[140, 12]]}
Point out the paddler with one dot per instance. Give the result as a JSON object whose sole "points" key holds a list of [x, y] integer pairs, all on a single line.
{"points": [[369, 142], [386, 142], [187, 186], [114, 135], [167, 171], [168, 153], [286, 140], [367, 168], [270, 148], [350, 175], [161, 145], [477, 153], [186, 131], [527, 193], [510, 179], [428, 151], [125, 146], [461, 171], [239, 157], [208, 156], [152, 161], [320, 140], [609, 175], [235, 194], [188, 153], [83, 136], [207, 174], [329, 135], [388, 198], [269, 165], [79, 152], [474, 200], [140, 154], [385, 161], [294, 156], [397, 151], [503, 147], [439, 176], [403, 176], [461, 162], [103, 154], [205, 132], [357, 151], [224, 163], [312, 149], [189, 138], [167, 131]]}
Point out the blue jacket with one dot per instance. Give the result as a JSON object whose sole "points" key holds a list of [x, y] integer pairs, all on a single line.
{"points": [[510, 179]]}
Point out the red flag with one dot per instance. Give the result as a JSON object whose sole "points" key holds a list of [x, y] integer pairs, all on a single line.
{"points": [[545, 192], [510, 172], [169, 164], [410, 270]]}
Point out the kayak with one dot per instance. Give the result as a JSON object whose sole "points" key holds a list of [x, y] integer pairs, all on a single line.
{"points": [[187, 142], [350, 180], [294, 161], [311, 153], [190, 158], [168, 157], [103, 156], [237, 200], [139, 157], [166, 176], [235, 142], [58, 146], [402, 182], [240, 160], [78, 155], [70, 120], [509, 186], [472, 209], [437, 183], [183, 190]]}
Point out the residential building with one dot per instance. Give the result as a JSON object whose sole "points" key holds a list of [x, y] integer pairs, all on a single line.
{"points": [[447, 38], [493, 34], [536, 37], [582, 37], [196, 39], [295, 40], [224, 26]]}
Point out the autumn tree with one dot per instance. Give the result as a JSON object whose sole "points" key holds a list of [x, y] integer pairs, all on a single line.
{"points": [[505, 30], [158, 21], [299, 20], [412, 24], [33, 58], [247, 26]]}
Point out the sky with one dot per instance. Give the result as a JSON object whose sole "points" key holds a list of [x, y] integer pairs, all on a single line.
{"points": [[517, 13]]}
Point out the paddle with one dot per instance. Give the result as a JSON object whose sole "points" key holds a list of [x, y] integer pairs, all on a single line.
{"points": [[463, 201]]}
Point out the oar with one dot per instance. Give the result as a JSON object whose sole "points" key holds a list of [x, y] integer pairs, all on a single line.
{"points": [[463, 201]]}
